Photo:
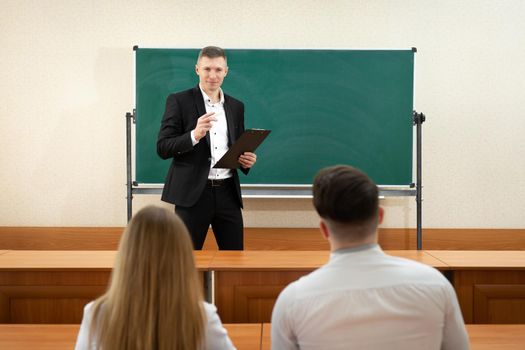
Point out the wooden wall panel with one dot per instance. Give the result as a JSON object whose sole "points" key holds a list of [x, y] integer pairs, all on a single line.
{"points": [[496, 296], [42, 278], [254, 303], [501, 303], [48, 297], [248, 297], [107, 238], [45, 304], [38, 310], [473, 239]]}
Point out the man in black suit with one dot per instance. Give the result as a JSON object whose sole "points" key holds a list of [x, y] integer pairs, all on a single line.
{"points": [[198, 127]]}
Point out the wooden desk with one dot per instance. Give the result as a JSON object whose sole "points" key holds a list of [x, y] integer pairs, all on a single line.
{"points": [[490, 285], [482, 337], [245, 336], [60, 260], [266, 338], [279, 260], [42, 337], [275, 260], [247, 283], [420, 256], [496, 336], [479, 259], [70, 260], [53, 286], [62, 337]]}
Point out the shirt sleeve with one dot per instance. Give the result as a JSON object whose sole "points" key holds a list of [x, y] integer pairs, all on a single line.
{"points": [[283, 337], [455, 335], [216, 337], [193, 139], [83, 333]]}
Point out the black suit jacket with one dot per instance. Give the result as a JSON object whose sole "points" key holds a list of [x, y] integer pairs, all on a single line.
{"points": [[190, 167]]}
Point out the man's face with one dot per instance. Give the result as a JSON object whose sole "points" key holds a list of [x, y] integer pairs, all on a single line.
{"points": [[211, 72]]}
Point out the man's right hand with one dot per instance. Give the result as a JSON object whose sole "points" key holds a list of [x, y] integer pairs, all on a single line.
{"points": [[204, 123]]}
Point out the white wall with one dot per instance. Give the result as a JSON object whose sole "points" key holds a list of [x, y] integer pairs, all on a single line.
{"points": [[67, 80]]}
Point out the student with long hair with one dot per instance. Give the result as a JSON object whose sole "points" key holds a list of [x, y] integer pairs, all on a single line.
{"points": [[154, 300]]}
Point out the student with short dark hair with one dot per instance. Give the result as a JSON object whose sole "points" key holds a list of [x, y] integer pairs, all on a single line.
{"points": [[154, 300], [362, 298]]}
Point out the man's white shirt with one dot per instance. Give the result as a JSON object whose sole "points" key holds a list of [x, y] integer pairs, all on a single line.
{"points": [[218, 135], [364, 299]]}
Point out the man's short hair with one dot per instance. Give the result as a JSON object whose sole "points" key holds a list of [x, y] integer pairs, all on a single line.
{"points": [[345, 196], [212, 52]]}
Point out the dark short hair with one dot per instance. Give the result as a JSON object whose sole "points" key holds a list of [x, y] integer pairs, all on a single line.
{"points": [[212, 52], [345, 195]]}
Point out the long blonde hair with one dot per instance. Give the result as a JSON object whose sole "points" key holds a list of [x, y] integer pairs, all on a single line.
{"points": [[154, 300]]}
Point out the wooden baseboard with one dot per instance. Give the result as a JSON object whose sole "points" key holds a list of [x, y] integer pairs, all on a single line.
{"points": [[389, 239], [471, 239], [107, 238]]}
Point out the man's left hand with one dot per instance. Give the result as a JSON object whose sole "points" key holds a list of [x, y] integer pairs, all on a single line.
{"points": [[247, 159]]}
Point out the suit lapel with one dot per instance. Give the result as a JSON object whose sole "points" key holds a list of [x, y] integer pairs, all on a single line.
{"points": [[201, 109]]}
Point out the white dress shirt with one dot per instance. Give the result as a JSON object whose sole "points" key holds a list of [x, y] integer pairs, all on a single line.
{"points": [[364, 299], [218, 135], [216, 337]]}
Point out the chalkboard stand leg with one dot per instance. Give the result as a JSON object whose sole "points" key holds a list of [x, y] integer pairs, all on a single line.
{"points": [[130, 117], [419, 118]]}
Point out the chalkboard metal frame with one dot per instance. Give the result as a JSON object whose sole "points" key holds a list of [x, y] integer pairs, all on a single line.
{"points": [[325, 107]]}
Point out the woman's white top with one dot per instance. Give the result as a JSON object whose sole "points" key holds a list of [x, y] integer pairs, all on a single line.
{"points": [[216, 337]]}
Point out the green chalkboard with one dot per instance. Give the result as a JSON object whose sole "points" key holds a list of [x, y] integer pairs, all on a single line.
{"points": [[324, 107]]}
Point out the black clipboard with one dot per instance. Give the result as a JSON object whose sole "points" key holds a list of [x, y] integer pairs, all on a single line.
{"points": [[247, 142]]}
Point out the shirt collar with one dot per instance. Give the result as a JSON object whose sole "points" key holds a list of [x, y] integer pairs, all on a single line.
{"points": [[359, 248], [207, 99]]}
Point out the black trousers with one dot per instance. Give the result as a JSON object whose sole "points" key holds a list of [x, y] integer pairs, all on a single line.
{"points": [[219, 207]]}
